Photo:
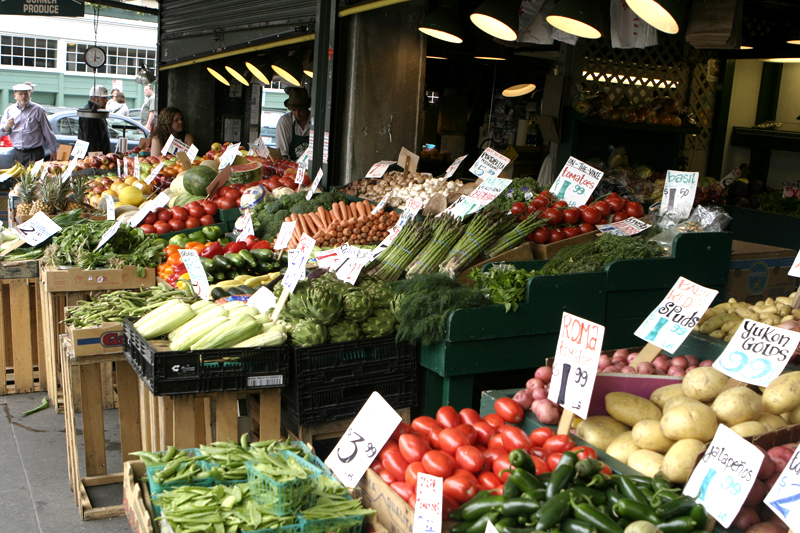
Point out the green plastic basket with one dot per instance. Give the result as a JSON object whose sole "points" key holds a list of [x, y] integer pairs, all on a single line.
{"points": [[283, 498], [313, 459], [155, 488], [208, 465], [348, 524], [294, 528]]}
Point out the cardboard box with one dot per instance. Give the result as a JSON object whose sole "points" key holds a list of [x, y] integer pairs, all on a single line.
{"points": [[136, 498], [105, 338], [548, 251], [58, 279], [758, 271], [393, 512]]}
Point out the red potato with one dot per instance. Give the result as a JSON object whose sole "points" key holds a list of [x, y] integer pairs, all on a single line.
{"points": [[603, 362], [691, 368], [539, 394], [706, 363], [780, 456], [534, 383], [523, 398], [661, 362], [619, 359], [746, 518], [769, 482], [622, 352], [611, 369], [676, 371], [770, 517], [767, 469], [545, 373], [628, 370], [631, 357], [692, 360], [680, 361], [660, 372], [619, 364], [546, 411], [756, 495], [645, 368]]}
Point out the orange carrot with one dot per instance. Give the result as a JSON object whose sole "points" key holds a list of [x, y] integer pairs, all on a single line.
{"points": [[335, 213], [368, 206], [321, 214], [360, 210]]}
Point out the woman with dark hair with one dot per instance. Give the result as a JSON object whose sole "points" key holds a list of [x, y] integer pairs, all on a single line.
{"points": [[170, 122]]}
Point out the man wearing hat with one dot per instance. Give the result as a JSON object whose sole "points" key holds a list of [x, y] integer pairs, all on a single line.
{"points": [[27, 125], [95, 130], [292, 130]]}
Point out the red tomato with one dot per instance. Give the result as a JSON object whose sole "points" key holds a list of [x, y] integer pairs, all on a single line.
{"points": [[192, 222], [165, 216], [233, 194], [612, 195], [488, 481], [412, 471], [394, 463], [378, 468], [210, 208], [447, 417], [148, 228], [606, 470], [161, 227], [451, 439], [585, 452], [572, 215], [389, 446], [541, 465], [634, 209], [412, 501], [561, 204], [603, 207], [150, 218], [558, 443], [424, 424], [496, 441], [555, 216], [572, 231], [509, 410], [616, 204], [224, 203], [196, 211], [540, 202], [553, 459], [375, 464], [176, 224], [518, 208], [470, 458], [540, 435], [387, 477], [541, 235], [288, 182], [437, 464], [424, 438], [586, 227], [466, 473], [514, 438], [469, 416], [448, 506], [494, 420], [180, 213], [620, 215], [490, 455], [500, 464], [411, 448], [206, 220], [460, 488], [556, 234], [537, 451], [591, 215], [485, 432], [222, 191], [401, 429], [434, 438], [531, 208], [403, 489], [469, 431]]}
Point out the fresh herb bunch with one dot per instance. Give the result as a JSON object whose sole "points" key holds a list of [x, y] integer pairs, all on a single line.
{"points": [[596, 255], [520, 190], [503, 283], [774, 202]]}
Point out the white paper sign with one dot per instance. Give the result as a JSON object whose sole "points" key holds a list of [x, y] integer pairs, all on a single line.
{"points": [[247, 227], [122, 145], [301, 173], [263, 300], [230, 154], [326, 258], [757, 353], [110, 209], [490, 528], [80, 149], [284, 235], [795, 270], [785, 493], [160, 201], [197, 274], [358, 447], [68, 173], [381, 204], [576, 182], [37, 229], [349, 263], [575, 364], [191, 153], [428, 506], [120, 162], [5, 175], [314, 185], [137, 169], [379, 169], [454, 166], [490, 164], [679, 191], [37, 167], [173, 146], [671, 322], [483, 195], [297, 262], [139, 185], [108, 234], [153, 173], [624, 228], [723, 478]]}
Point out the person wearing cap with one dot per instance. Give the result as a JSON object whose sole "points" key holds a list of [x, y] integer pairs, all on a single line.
{"points": [[95, 130], [293, 128], [27, 125]]}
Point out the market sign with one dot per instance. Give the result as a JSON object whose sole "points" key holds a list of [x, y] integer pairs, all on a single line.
{"points": [[576, 182], [43, 8], [679, 191], [784, 494], [624, 228]]}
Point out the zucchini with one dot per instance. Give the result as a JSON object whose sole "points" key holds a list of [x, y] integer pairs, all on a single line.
{"points": [[246, 289], [218, 293], [234, 291]]}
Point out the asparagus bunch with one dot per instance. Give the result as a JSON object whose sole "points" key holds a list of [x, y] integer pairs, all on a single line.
{"points": [[447, 230], [393, 261], [483, 229], [515, 236]]}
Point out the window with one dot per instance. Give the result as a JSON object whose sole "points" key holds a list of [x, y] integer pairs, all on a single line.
{"points": [[67, 126], [120, 128], [119, 61], [28, 52]]}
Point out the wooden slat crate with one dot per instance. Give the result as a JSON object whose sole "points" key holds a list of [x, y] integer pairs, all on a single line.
{"points": [[21, 339]]}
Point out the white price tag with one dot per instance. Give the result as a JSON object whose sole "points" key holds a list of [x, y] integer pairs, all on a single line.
{"points": [[139, 185], [247, 228], [381, 204], [301, 173], [37, 229], [327, 258], [197, 274], [284, 235], [483, 195], [490, 528], [290, 255], [350, 262], [230, 154], [120, 163], [110, 209], [575, 364], [358, 447], [173, 146], [305, 157], [624, 228], [723, 478], [490, 164], [428, 506], [314, 185], [137, 169], [168, 145], [785, 492], [108, 234], [379, 169], [191, 153], [757, 353], [161, 200], [671, 322], [153, 173], [297, 262], [37, 167], [454, 166], [325, 144], [80, 149], [576, 182], [679, 191], [795, 270], [4, 176], [263, 300], [68, 173]]}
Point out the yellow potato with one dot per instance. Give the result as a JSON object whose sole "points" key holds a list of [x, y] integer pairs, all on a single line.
{"points": [[678, 400], [662, 394], [749, 429], [773, 422], [648, 436], [630, 409], [622, 447], [680, 459], [703, 383], [737, 405], [787, 417], [783, 394], [646, 461], [689, 421], [599, 431]]}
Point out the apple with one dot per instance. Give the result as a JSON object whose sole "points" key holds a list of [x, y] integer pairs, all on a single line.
{"points": [[216, 147]]}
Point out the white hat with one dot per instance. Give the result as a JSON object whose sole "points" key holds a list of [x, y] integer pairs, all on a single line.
{"points": [[98, 90], [22, 87]]}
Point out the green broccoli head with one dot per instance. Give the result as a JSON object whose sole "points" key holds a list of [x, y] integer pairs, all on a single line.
{"points": [[303, 207], [271, 208], [289, 200], [272, 226], [325, 198]]}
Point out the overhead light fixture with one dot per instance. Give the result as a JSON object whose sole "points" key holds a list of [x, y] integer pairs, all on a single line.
{"points": [[308, 70], [490, 50], [794, 35], [435, 57], [445, 23], [663, 15], [259, 74], [236, 75], [145, 75], [289, 68], [498, 18], [520, 89], [745, 47], [577, 17], [217, 75], [782, 60]]}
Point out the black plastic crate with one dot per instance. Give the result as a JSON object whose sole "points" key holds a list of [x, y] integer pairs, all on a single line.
{"points": [[191, 372]]}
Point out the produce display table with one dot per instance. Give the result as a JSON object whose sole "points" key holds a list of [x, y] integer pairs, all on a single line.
{"points": [[20, 347], [750, 225]]}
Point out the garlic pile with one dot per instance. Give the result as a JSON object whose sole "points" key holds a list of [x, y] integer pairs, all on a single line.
{"points": [[416, 185]]}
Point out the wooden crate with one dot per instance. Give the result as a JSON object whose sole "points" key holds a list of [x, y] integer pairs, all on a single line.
{"points": [[21, 339], [89, 369]]}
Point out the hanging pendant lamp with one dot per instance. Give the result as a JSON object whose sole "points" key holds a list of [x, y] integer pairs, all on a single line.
{"points": [[235, 73], [577, 17], [498, 18], [663, 15], [308, 70], [488, 49], [263, 73], [289, 68], [217, 75], [445, 23]]}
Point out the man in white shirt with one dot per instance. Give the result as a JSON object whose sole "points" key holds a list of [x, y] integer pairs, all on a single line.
{"points": [[293, 129], [27, 125]]}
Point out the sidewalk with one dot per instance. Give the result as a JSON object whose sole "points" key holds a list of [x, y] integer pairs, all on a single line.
{"points": [[34, 485]]}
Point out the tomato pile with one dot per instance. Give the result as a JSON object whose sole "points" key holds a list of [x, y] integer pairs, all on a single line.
{"points": [[470, 452], [192, 215], [566, 221], [229, 196]]}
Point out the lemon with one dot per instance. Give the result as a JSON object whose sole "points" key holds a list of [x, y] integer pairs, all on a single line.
{"points": [[130, 196]]}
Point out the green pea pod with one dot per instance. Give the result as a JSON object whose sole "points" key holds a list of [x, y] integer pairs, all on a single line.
{"points": [[586, 468], [629, 490], [519, 507], [597, 497], [483, 507], [681, 524], [636, 511], [679, 507], [554, 510], [561, 478], [571, 525], [586, 513], [526, 481]]}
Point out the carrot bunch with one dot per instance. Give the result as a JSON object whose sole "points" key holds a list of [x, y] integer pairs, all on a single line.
{"points": [[353, 223]]}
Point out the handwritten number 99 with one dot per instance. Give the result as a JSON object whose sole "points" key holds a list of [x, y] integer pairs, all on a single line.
{"points": [[581, 377], [680, 330], [739, 360], [579, 189]]}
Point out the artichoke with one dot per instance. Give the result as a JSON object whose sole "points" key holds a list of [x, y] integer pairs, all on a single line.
{"points": [[357, 305], [380, 324], [381, 295], [324, 305], [396, 304], [344, 331], [308, 333]]}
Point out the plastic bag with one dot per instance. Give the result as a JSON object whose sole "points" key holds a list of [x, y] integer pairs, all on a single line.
{"points": [[628, 30], [703, 219]]}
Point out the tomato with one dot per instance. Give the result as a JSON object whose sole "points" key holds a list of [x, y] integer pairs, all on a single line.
{"points": [[500, 464], [288, 182], [508, 410], [437, 464], [460, 488], [531, 208], [603, 207], [582, 207], [469, 416], [176, 224], [466, 473], [540, 435], [180, 213], [401, 429], [210, 208], [555, 216], [206, 220], [496, 441], [561, 204], [165, 216], [484, 431], [488, 481], [196, 211], [412, 471], [616, 204], [571, 231], [224, 203], [494, 420], [470, 458], [619, 216], [389, 446], [514, 438], [150, 218], [450, 439], [612, 195], [377, 468], [518, 208], [541, 235], [634, 209], [447, 417], [606, 470], [541, 465], [540, 202], [222, 191], [233, 194], [490, 455], [448, 505], [553, 459], [469, 431], [556, 234], [424, 438], [403, 489], [412, 501], [387, 477], [411, 448], [537, 451], [192, 222], [148, 228], [434, 438], [394, 463], [585, 452], [558, 443], [572, 215], [591, 215], [424, 424], [161, 227], [586, 227]]}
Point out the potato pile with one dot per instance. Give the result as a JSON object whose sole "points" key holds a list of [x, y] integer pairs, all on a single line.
{"points": [[722, 320], [667, 432]]}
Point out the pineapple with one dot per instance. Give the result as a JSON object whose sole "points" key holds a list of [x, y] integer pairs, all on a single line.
{"points": [[52, 196], [28, 186], [78, 199]]}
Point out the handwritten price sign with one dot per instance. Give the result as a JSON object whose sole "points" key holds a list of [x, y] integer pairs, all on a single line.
{"points": [[297, 262], [783, 496], [428, 506], [379, 169], [679, 191], [576, 182], [490, 164], [37, 229], [483, 194]]}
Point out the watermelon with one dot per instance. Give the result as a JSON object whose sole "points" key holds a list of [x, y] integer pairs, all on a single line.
{"points": [[246, 173], [197, 179]]}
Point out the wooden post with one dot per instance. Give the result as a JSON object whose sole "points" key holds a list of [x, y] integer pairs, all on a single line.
{"points": [[227, 416], [94, 440], [269, 418], [183, 420], [130, 429], [646, 355]]}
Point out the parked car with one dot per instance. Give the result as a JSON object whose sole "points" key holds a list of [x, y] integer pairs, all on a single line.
{"points": [[65, 126]]}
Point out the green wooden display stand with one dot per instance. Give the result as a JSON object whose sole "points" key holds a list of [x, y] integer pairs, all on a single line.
{"points": [[752, 225]]}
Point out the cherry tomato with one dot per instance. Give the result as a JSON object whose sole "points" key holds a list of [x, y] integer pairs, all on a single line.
{"points": [[496, 441], [620, 215], [603, 207], [514, 438], [150, 218], [210, 208], [403, 489], [469, 431], [224, 203], [424, 424], [411, 448], [447, 417], [585, 452], [553, 459], [401, 429], [389, 446], [540, 202], [556, 234], [192, 222], [572, 215], [460, 488], [412, 471], [616, 204], [485, 431], [518, 208], [176, 224], [634, 209], [571, 231], [541, 235], [450, 439], [582, 207], [591, 215], [387, 477], [470, 458], [490, 455], [434, 438], [586, 227], [555, 216], [541, 465], [500, 464], [613, 195], [540, 435], [494, 420], [562, 204], [509, 410], [558, 443], [531, 208], [488, 481], [469, 416], [196, 211], [206, 220], [437, 464], [394, 463]]}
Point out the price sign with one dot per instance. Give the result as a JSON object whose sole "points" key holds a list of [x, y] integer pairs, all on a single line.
{"points": [[327, 258], [173, 146], [679, 191], [428, 506], [120, 162], [454, 166], [110, 209], [490, 528], [68, 173], [297, 262], [153, 173], [197, 274], [37, 229], [139, 185], [122, 146], [137, 169], [576, 182], [191, 153], [37, 167], [301, 173], [381, 204], [350, 262], [108, 234], [783, 495], [160, 201], [483, 194], [379, 169], [284, 235], [490, 164], [314, 185], [575, 364], [263, 300], [757, 353], [358, 447], [80, 149], [230, 154], [795, 270], [624, 228], [671, 322], [247, 227], [723, 478]]}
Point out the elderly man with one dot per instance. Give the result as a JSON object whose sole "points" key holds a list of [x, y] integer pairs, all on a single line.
{"points": [[27, 125], [95, 130]]}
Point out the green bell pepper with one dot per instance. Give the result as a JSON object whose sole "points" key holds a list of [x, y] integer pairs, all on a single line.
{"points": [[197, 236], [179, 240], [212, 233]]}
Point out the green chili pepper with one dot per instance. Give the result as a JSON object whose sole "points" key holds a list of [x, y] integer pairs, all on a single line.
{"points": [[562, 475], [660, 481], [597, 497], [679, 507], [613, 496], [571, 525], [520, 506], [567, 458], [482, 507], [699, 515], [462, 527], [590, 515], [629, 490], [521, 460], [510, 489], [554, 510], [636, 511], [589, 467], [599, 481], [480, 524], [526, 481], [681, 524]]}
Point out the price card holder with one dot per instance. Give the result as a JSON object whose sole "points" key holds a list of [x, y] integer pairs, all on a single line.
{"points": [[122, 145], [70, 168], [197, 274], [454, 166], [226, 159], [219, 181], [153, 173], [247, 229], [284, 235], [785, 493], [263, 300], [428, 504], [358, 447], [185, 161], [679, 191], [314, 185], [490, 164], [37, 229], [137, 168], [381, 204], [377, 170], [408, 160], [64, 151], [191, 153], [108, 234], [295, 271], [110, 209], [575, 367], [724, 476], [80, 149], [576, 182]]}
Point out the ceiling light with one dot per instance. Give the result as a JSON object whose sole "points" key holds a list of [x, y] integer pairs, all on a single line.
{"points": [[577, 17], [663, 15], [445, 23], [217, 75], [782, 60], [435, 57], [238, 77], [260, 76], [289, 68], [498, 18], [745, 47], [309, 70], [490, 50], [520, 89]]}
